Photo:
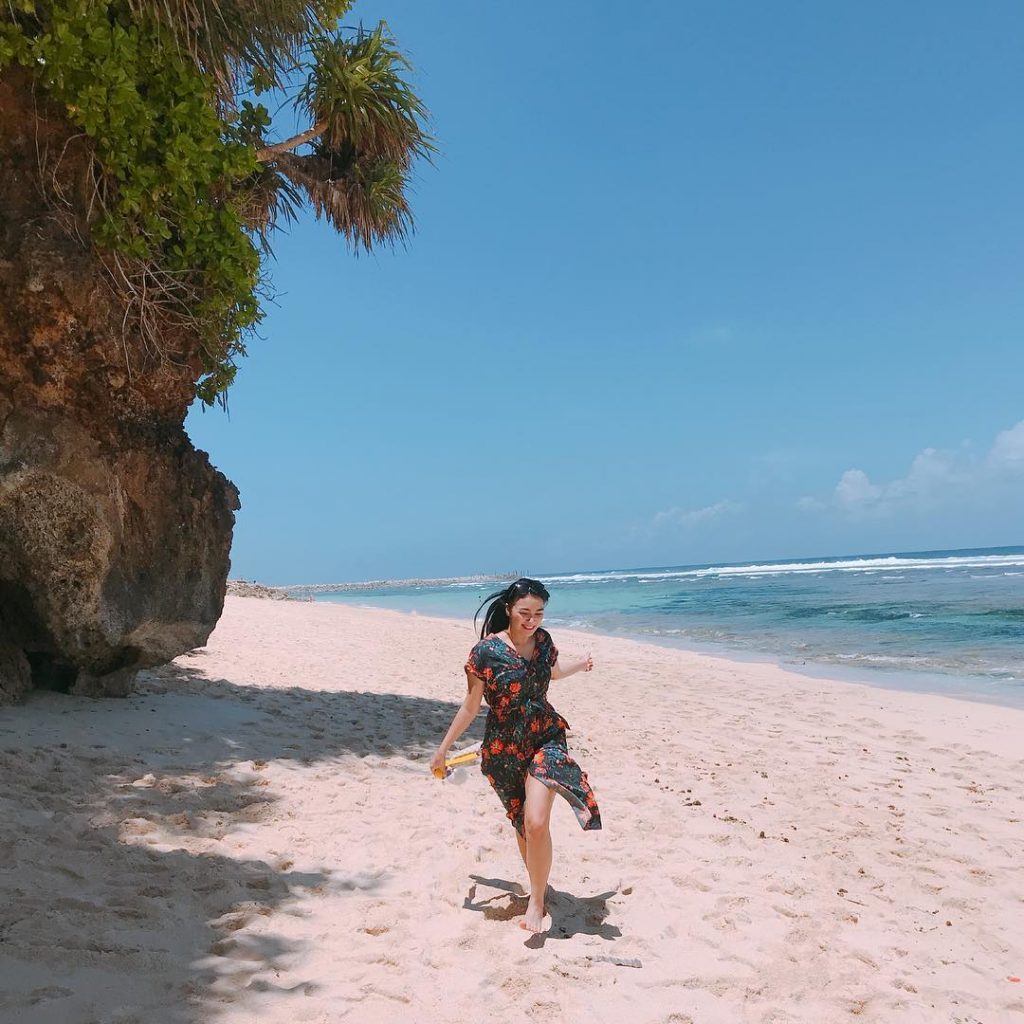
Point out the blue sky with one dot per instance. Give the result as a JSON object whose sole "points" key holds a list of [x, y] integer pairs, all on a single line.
{"points": [[692, 281]]}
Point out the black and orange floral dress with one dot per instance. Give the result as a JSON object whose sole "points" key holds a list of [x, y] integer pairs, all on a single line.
{"points": [[524, 734]]}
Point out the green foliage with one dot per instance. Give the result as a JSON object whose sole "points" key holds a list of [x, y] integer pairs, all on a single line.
{"points": [[355, 88], [170, 159], [187, 175], [372, 132]]}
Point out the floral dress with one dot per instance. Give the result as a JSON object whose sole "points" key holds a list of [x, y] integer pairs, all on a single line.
{"points": [[524, 734]]}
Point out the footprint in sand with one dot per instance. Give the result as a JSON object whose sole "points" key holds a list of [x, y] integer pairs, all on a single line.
{"points": [[303, 988], [41, 995]]}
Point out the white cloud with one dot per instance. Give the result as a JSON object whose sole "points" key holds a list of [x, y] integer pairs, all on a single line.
{"points": [[935, 477], [690, 517], [1008, 450], [854, 488]]}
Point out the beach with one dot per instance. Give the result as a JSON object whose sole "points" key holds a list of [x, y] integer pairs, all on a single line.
{"points": [[254, 836]]}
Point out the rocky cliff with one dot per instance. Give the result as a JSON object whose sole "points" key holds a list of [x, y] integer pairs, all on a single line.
{"points": [[114, 529]]}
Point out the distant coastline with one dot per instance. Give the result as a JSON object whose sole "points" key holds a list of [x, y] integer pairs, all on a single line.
{"points": [[331, 588]]}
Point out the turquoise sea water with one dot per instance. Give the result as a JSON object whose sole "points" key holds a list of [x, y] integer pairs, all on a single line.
{"points": [[945, 621]]}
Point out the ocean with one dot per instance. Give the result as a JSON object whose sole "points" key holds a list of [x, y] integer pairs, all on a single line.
{"points": [[939, 621]]}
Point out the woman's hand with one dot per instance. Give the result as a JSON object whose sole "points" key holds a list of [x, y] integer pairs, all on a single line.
{"points": [[437, 763], [586, 665]]}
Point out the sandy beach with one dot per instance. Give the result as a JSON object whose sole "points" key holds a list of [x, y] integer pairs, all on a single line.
{"points": [[254, 836]]}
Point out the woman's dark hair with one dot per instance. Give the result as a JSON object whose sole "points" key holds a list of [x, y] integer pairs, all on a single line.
{"points": [[496, 618]]}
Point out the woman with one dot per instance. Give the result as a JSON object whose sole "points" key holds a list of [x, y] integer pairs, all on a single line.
{"points": [[524, 753]]}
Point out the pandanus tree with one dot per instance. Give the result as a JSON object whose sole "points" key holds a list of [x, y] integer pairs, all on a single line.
{"points": [[149, 151]]}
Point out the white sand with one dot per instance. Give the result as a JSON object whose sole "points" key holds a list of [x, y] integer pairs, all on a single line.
{"points": [[256, 838]]}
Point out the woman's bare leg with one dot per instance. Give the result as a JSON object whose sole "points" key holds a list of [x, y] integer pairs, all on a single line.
{"points": [[521, 842], [537, 826]]}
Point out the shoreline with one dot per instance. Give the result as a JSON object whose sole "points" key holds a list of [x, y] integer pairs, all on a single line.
{"points": [[900, 681], [255, 836]]}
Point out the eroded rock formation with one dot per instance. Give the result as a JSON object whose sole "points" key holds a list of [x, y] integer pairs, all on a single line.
{"points": [[114, 529]]}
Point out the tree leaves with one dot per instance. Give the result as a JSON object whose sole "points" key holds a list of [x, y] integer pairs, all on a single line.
{"points": [[186, 181]]}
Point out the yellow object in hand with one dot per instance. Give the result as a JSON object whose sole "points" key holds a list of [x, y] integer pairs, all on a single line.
{"points": [[466, 756]]}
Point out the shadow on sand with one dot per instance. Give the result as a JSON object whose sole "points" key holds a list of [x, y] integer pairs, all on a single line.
{"points": [[570, 915], [85, 903]]}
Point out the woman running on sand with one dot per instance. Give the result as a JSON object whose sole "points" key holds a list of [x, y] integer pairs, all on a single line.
{"points": [[524, 754]]}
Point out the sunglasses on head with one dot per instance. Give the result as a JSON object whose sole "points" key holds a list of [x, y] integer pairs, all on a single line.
{"points": [[525, 586]]}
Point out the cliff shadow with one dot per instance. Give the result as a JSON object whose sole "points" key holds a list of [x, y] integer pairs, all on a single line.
{"points": [[121, 901]]}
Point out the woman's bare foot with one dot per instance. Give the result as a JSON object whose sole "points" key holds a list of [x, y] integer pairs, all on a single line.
{"points": [[534, 919]]}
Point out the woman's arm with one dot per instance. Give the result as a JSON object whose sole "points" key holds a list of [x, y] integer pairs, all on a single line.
{"points": [[462, 720], [585, 665]]}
